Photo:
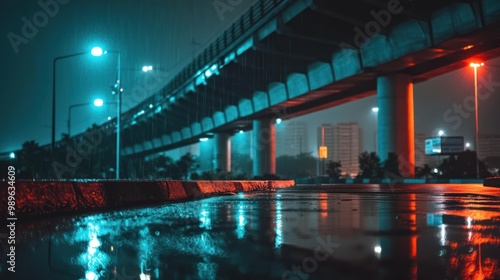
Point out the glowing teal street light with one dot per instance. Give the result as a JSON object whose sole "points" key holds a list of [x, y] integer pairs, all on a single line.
{"points": [[98, 103], [97, 51]]}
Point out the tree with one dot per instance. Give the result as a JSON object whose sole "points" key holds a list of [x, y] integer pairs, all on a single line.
{"points": [[424, 171], [294, 166], [369, 165], [241, 163], [463, 165], [185, 164], [166, 168], [333, 169], [33, 161], [391, 165]]}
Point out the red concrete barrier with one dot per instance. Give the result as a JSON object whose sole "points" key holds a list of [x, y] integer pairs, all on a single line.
{"points": [[39, 198]]}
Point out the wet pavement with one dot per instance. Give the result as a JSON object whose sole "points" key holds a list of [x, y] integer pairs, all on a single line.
{"points": [[305, 232]]}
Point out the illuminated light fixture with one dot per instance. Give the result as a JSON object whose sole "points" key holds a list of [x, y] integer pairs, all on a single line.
{"points": [[98, 102], [147, 68], [203, 139], [467, 145], [94, 243], [109, 118], [241, 131], [476, 117], [377, 249], [467, 47], [12, 155], [278, 120], [97, 51], [212, 70], [158, 109], [150, 106], [91, 275], [375, 109], [441, 133]]}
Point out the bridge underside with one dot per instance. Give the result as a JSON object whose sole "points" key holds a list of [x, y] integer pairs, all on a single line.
{"points": [[303, 56]]}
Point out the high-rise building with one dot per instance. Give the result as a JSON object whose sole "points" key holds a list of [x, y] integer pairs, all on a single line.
{"points": [[347, 136], [291, 138], [489, 146], [420, 157], [343, 142]]}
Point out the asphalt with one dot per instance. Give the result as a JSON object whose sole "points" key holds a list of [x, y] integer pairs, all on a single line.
{"points": [[306, 232]]}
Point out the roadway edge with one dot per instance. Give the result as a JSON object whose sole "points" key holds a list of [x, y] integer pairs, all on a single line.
{"points": [[48, 198], [492, 182]]}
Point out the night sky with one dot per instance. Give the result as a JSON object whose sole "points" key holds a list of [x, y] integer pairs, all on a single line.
{"points": [[166, 34]]}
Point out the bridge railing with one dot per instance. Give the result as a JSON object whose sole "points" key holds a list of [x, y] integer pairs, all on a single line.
{"points": [[223, 44]]}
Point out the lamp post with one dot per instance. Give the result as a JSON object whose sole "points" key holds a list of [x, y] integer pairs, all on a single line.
{"points": [[475, 66], [98, 103], [375, 110], [440, 134], [54, 64], [97, 51]]}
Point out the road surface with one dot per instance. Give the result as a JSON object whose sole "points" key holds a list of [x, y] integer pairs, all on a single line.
{"points": [[305, 232]]}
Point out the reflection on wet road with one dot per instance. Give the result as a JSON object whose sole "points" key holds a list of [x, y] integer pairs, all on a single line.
{"points": [[307, 232]]}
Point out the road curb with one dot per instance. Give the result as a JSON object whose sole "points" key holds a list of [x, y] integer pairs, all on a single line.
{"points": [[45, 198], [492, 182]]}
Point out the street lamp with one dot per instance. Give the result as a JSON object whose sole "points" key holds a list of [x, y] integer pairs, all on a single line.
{"points": [[375, 110], [147, 68], [98, 103], [97, 51], [475, 66], [441, 133], [54, 64]]}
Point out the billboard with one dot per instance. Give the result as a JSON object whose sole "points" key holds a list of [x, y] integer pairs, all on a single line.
{"points": [[323, 152], [444, 145]]}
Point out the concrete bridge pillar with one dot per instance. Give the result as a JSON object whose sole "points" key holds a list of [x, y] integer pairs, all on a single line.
{"points": [[264, 146], [395, 120], [222, 152]]}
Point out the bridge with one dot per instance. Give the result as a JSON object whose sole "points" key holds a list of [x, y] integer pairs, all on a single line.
{"points": [[286, 58]]}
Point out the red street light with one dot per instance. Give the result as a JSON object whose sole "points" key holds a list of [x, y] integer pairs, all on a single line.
{"points": [[475, 66]]}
